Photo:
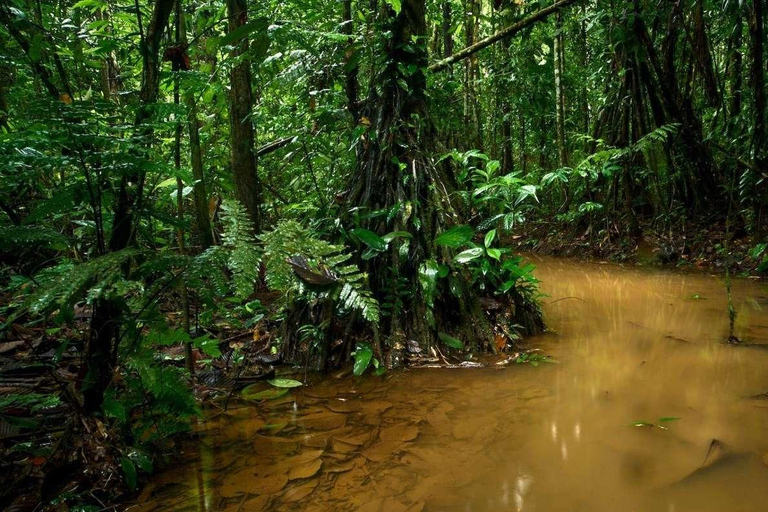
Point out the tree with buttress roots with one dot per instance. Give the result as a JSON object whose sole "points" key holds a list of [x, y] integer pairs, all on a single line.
{"points": [[404, 189]]}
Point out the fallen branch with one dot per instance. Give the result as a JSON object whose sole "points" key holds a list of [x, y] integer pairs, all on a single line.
{"points": [[501, 34]]}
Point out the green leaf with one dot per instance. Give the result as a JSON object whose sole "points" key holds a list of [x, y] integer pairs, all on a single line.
{"points": [[428, 272], [455, 237], [250, 393], [489, 237], [141, 459], [285, 383], [363, 355], [114, 408], [396, 234], [239, 33], [370, 239], [395, 4], [450, 340], [494, 253], [129, 471], [667, 419], [468, 255]]}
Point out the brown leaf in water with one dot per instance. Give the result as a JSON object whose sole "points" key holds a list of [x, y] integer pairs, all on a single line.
{"points": [[342, 447], [307, 470], [247, 481], [401, 432], [256, 504], [383, 450], [341, 467], [375, 406], [357, 439], [324, 421], [300, 492], [765, 459], [343, 407]]}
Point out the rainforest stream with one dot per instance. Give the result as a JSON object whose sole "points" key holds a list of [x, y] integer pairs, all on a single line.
{"points": [[645, 408]]}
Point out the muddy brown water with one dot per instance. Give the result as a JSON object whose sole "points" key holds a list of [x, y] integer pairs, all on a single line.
{"points": [[634, 346]]}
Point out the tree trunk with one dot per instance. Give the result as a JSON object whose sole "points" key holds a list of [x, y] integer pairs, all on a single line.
{"points": [[242, 135], [735, 66], [562, 155], [350, 63], [200, 192], [760, 159], [102, 347], [395, 171]]}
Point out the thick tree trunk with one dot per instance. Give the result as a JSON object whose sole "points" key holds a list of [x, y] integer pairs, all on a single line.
{"points": [[396, 171], [242, 134]]}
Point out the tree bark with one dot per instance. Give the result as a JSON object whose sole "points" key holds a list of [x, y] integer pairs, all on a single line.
{"points": [[760, 158], [242, 133], [562, 155], [350, 64]]}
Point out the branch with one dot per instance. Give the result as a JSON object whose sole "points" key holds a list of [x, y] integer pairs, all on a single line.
{"points": [[501, 34], [274, 145]]}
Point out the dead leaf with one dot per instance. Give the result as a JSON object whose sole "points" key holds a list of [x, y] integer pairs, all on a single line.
{"points": [[324, 421], [305, 471], [300, 492], [402, 432]]}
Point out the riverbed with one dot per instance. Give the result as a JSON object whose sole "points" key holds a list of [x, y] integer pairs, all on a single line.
{"points": [[644, 407]]}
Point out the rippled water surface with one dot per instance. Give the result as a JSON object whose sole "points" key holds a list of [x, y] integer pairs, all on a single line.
{"points": [[596, 431]]}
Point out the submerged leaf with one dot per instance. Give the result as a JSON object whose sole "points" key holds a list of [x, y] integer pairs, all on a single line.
{"points": [[285, 383], [249, 393]]}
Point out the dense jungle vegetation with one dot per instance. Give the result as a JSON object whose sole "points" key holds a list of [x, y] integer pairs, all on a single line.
{"points": [[195, 191]]}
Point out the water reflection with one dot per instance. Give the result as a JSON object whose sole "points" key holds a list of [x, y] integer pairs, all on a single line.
{"points": [[639, 347]]}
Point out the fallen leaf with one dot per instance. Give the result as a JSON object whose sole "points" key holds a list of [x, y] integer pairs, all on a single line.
{"points": [[401, 432], [305, 471], [300, 492]]}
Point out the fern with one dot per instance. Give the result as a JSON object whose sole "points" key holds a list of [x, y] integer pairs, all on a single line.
{"points": [[243, 257], [291, 239]]}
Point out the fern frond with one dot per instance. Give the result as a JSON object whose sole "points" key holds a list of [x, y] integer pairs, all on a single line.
{"points": [[244, 258]]}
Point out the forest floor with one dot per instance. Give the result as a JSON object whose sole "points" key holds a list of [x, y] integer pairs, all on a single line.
{"points": [[703, 245]]}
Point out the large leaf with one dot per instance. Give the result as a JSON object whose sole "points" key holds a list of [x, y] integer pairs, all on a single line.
{"points": [[363, 355], [250, 393], [450, 340], [370, 239], [285, 383], [428, 272], [234, 37], [141, 459], [129, 471], [468, 255], [489, 237], [396, 234], [456, 236]]}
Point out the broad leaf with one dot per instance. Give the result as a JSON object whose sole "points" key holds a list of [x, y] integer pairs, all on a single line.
{"points": [[456, 236], [370, 239], [285, 383], [363, 355], [468, 255], [450, 340]]}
